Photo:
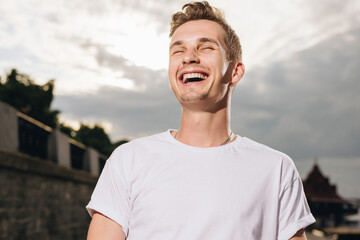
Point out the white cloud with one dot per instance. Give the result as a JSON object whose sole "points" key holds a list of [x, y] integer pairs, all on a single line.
{"points": [[44, 42]]}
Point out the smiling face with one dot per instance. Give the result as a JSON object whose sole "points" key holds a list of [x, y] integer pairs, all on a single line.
{"points": [[198, 67]]}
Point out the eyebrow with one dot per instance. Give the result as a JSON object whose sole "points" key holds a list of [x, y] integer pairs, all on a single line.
{"points": [[177, 43], [202, 40]]}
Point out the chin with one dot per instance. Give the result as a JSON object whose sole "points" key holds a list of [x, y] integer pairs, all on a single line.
{"points": [[193, 97]]}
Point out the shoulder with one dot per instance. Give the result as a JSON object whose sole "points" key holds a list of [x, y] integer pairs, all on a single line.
{"points": [[136, 151], [271, 157], [262, 150], [143, 142]]}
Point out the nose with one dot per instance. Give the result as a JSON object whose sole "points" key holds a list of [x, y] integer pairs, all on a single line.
{"points": [[191, 57]]}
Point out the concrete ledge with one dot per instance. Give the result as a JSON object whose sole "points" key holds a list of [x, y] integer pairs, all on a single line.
{"points": [[33, 165], [8, 127], [59, 149]]}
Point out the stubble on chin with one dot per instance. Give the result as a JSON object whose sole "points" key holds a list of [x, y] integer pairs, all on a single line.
{"points": [[194, 96]]}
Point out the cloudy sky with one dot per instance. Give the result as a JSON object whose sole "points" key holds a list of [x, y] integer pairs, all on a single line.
{"points": [[109, 59]]}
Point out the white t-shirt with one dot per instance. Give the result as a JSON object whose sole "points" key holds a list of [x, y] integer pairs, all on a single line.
{"points": [[159, 188]]}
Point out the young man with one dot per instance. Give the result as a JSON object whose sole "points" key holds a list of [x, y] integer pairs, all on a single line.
{"points": [[201, 181]]}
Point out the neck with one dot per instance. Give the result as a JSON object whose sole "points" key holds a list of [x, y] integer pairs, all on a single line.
{"points": [[204, 129]]}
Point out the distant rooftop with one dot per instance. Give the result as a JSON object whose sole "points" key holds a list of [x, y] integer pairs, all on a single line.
{"points": [[318, 189]]}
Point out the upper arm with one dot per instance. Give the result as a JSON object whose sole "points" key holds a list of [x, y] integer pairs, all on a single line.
{"points": [[294, 211], [102, 228], [300, 235], [111, 196]]}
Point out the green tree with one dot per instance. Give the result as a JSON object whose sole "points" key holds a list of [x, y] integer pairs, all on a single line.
{"points": [[20, 91], [67, 130], [95, 137]]}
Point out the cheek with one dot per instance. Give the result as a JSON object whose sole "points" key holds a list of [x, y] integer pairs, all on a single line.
{"points": [[224, 66], [171, 76], [172, 69], [220, 66]]}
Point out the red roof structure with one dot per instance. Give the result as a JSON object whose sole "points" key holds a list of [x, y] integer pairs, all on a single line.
{"points": [[318, 189], [325, 203]]}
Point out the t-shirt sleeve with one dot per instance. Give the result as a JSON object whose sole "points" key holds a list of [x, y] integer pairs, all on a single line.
{"points": [[294, 211], [111, 194]]}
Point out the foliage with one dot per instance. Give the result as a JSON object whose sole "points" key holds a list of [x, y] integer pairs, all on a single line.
{"points": [[93, 137], [30, 98], [67, 130]]}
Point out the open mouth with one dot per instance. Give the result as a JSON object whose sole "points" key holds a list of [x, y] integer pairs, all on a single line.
{"points": [[193, 77]]}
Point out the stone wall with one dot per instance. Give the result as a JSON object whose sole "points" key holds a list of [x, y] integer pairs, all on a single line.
{"points": [[40, 199]]}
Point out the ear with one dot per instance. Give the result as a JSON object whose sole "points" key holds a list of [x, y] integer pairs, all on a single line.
{"points": [[237, 73]]}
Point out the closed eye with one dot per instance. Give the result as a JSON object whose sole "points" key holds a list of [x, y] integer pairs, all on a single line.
{"points": [[207, 47], [177, 51]]}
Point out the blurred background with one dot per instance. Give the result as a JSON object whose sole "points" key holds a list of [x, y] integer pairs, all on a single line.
{"points": [[79, 78]]}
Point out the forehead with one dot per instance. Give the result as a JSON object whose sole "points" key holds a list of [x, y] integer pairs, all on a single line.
{"points": [[197, 29]]}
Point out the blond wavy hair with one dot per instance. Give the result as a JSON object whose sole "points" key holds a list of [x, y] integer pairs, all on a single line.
{"points": [[203, 11]]}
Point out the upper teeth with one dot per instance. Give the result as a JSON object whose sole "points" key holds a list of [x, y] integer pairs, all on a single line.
{"points": [[187, 76]]}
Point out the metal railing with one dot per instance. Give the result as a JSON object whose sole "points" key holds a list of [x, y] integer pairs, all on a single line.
{"points": [[33, 136], [39, 140], [77, 152]]}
